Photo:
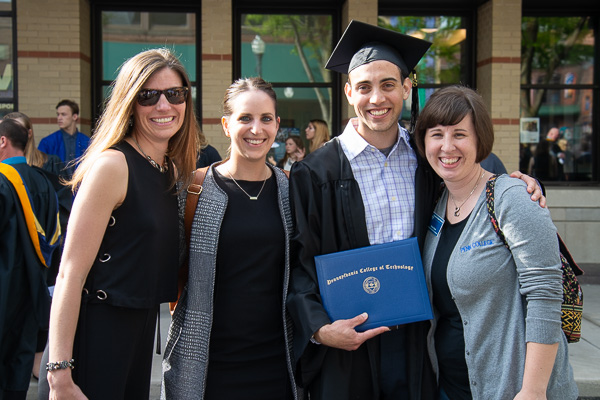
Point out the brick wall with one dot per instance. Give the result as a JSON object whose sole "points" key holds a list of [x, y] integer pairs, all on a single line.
{"points": [[53, 43], [217, 67], [498, 73], [364, 11]]}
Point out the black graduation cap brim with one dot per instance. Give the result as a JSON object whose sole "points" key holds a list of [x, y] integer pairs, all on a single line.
{"points": [[358, 34]]}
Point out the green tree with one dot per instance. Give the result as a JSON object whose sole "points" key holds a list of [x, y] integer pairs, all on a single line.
{"points": [[447, 37], [311, 35], [546, 44]]}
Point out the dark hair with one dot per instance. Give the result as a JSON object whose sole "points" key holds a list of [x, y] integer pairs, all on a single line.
{"points": [[243, 85], [71, 104], [299, 144], [448, 106], [15, 133]]}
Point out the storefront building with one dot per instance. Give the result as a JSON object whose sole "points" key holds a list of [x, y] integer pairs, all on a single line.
{"points": [[533, 61]]}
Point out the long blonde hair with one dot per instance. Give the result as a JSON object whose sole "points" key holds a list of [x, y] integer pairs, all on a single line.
{"points": [[32, 154], [321, 134], [114, 123]]}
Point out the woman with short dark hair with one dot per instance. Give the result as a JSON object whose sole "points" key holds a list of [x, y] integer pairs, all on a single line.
{"points": [[497, 328]]}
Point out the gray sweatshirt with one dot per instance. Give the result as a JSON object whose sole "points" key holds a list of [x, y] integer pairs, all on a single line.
{"points": [[505, 300]]}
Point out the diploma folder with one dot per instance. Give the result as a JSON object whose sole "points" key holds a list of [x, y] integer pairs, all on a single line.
{"points": [[384, 280]]}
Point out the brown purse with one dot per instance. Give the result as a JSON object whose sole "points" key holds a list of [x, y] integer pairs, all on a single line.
{"points": [[191, 202]]}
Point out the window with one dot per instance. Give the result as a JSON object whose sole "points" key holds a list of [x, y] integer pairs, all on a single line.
{"points": [[290, 51], [557, 140], [8, 91], [126, 33], [448, 60]]}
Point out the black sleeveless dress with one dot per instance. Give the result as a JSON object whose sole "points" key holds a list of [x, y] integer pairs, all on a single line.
{"points": [[135, 270]]}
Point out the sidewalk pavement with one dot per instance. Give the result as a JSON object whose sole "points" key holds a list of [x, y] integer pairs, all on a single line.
{"points": [[584, 356]]}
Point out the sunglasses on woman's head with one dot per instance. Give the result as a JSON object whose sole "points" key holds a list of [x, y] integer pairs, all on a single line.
{"points": [[149, 97]]}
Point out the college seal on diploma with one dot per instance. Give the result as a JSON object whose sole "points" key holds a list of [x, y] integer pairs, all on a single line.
{"points": [[371, 285]]}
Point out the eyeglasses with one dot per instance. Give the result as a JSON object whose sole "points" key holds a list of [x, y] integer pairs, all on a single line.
{"points": [[149, 97]]}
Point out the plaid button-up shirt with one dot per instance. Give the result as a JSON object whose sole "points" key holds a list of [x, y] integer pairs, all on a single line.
{"points": [[387, 184]]}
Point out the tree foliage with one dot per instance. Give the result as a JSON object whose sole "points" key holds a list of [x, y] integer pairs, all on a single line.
{"points": [[546, 44], [442, 62], [311, 36]]}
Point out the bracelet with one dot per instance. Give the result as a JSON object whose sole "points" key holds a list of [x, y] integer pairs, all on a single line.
{"points": [[313, 340], [53, 366]]}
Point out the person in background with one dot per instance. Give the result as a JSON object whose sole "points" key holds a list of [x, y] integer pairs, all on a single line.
{"points": [[26, 197], [207, 154], [67, 143], [231, 336], [35, 157], [497, 328], [294, 151], [543, 165], [493, 164], [50, 164], [317, 134], [121, 254]]}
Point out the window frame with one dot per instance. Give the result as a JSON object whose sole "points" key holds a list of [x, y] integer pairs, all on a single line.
{"points": [[267, 8], [594, 86], [12, 13], [468, 13], [98, 82]]}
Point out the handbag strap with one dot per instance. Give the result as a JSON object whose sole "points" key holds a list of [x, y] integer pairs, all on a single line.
{"points": [[191, 202], [489, 198]]}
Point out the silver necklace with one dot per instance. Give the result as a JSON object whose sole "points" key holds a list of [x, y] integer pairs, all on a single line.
{"points": [[242, 189], [457, 208], [162, 168]]}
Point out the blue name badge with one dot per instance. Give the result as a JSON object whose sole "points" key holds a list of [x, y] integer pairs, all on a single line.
{"points": [[435, 226]]}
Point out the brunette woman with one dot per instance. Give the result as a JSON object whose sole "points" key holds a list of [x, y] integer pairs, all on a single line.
{"points": [[231, 335], [294, 151], [497, 329]]}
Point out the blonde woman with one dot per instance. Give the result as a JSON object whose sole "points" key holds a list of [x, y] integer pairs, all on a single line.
{"points": [[317, 133], [121, 254]]}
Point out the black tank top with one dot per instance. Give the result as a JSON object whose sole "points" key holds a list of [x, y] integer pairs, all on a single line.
{"points": [[138, 260]]}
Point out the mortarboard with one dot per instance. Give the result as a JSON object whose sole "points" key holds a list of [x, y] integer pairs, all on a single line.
{"points": [[362, 43]]}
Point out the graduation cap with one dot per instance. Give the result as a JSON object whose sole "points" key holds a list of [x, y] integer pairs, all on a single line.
{"points": [[362, 43]]}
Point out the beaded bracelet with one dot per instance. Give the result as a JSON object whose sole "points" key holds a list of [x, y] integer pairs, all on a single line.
{"points": [[53, 366]]}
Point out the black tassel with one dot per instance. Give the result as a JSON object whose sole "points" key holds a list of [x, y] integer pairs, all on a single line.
{"points": [[414, 108]]}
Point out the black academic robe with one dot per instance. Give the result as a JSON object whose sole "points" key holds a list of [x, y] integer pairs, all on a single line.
{"points": [[24, 298], [330, 217]]}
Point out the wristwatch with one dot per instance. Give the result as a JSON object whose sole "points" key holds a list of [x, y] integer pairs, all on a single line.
{"points": [[53, 366]]}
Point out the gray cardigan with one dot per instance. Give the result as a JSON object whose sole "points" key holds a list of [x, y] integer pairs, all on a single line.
{"points": [[185, 361], [505, 300]]}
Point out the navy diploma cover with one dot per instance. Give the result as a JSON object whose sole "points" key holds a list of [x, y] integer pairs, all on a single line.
{"points": [[384, 280]]}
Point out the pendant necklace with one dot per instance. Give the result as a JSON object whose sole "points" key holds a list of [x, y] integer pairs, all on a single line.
{"points": [[242, 189], [162, 168], [457, 208]]}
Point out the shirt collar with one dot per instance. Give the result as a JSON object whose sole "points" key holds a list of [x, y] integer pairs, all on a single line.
{"points": [[15, 160], [356, 144], [67, 135]]}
